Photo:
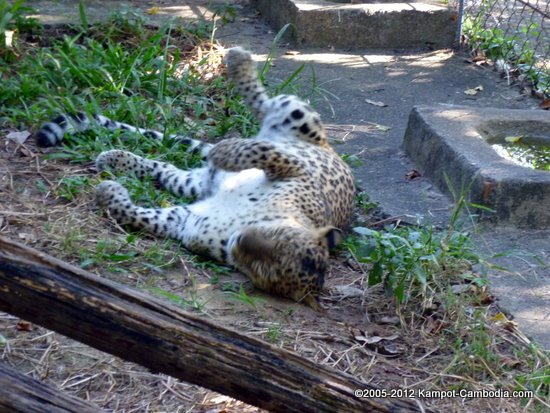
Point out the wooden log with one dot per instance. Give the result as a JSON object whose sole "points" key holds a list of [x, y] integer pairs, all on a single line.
{"points": [[158, 335], [22, 394]]}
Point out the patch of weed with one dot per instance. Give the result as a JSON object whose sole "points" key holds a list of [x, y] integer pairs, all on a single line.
{"points": [[513, 50], [242, 296], [192, 302]]}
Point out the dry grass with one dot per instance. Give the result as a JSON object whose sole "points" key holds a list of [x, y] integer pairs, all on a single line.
{"points": [[457, 340]]}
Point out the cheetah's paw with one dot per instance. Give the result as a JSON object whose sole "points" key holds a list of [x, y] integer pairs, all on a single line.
{"points": [[236, 58], [120, 161], [110, 194]]}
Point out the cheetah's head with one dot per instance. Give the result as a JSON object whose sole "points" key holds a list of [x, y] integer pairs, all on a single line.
{"points": [[287, 261]]}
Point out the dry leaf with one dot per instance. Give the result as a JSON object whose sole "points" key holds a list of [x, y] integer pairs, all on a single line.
{"points": [[292, 53], [347, 291], [510, 362], [460, 288], [474, 91], [412, 175], [499, 318], [153, 10], [27, 237], [26, 152], [488, 187], [393, 320], [480, 58], [23, 325], [512, 139], [486, 298], [389, 349], [8, 37], [504, 321], [368, 340], [433, 325], [375, 339], [376, 103], [220, 399], [18, 137], [383, 128], [545, 104]]}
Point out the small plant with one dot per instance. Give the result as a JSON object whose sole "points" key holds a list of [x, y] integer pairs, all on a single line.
{"points": [[212, 266], [513, 49], [364, 203], [193, 302], [538, 381], [242, 296], [69, 187], [402, 257], [273, 333], [125, 254], [410, 258], [352, 160], [226, 12]]}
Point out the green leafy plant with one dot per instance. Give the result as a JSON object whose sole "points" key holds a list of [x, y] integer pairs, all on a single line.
{"points": [[537, 381], [401, 257], [513, 48], [226, 12]]}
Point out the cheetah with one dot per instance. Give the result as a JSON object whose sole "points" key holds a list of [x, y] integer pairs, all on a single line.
{"points": [[270, 206]]}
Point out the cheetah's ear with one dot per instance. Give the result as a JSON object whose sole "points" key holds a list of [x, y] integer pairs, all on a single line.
{"points": [[330, 236], [254, 245]]}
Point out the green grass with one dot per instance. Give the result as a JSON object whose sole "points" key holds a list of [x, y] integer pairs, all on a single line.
{"points": [[125, 70]]}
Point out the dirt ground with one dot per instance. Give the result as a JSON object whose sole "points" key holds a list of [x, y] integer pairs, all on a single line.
{"points": [[361, 333]]}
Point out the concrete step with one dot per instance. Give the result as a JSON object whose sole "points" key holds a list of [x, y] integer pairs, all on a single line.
{"points": [[349, 24]]}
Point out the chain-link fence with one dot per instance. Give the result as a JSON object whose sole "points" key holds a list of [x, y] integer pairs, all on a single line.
{"points": [[512, 34]]}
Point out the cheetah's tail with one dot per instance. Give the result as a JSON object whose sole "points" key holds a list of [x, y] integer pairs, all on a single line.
{"points": [[52, 133]]}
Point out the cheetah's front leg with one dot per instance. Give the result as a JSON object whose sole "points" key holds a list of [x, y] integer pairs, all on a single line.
{"points": [[238, 154], [192, 183]]}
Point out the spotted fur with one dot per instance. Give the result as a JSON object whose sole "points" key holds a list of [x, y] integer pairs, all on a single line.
{"points": [[53, 132], [270, 206]]}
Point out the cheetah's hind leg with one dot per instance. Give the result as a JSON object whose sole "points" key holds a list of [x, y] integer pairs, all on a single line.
{"points": [[178, 222], [191, 183], [242, 71]]}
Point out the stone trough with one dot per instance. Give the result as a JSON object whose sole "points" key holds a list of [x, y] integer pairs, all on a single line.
{"points": [[354, 24], [457, 142]]}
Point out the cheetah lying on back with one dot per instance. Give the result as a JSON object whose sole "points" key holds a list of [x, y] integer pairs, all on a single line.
{"points": [[270, 206]]}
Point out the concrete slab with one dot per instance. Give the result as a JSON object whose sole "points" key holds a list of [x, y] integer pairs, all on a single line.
{"points": [[67, 11], [326, 23], [451, 141]]}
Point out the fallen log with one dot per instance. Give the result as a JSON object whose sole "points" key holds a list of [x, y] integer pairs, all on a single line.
{"points": [[22, 394], [143, 329]]}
